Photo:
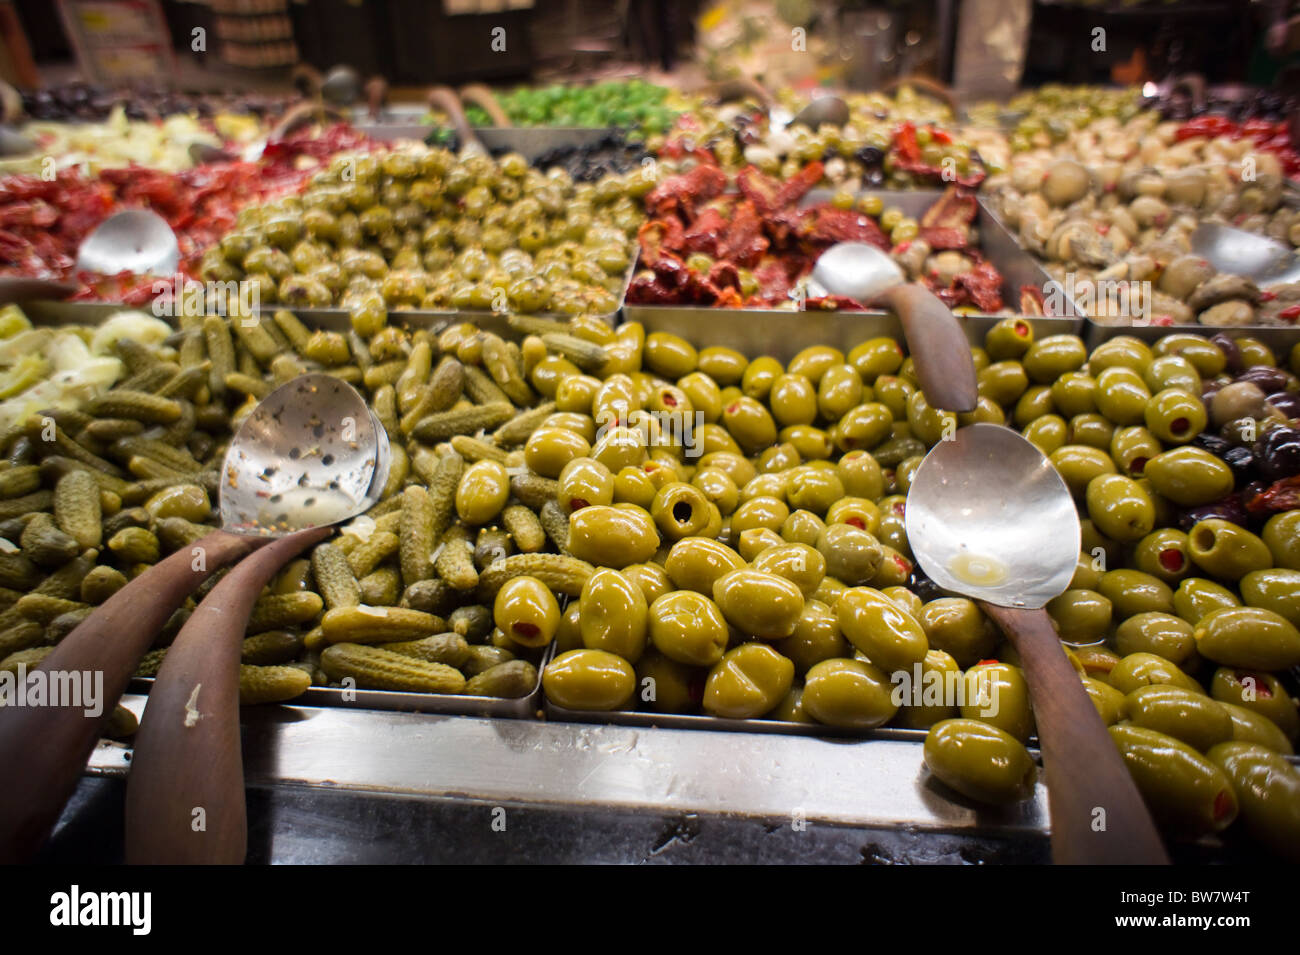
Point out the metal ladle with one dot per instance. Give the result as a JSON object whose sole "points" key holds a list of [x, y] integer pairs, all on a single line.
{"points": [[309, 455], [988, 517], [1243, 253], [944, 365]]}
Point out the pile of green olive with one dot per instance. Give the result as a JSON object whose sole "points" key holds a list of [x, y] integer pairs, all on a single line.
{"points": [[420, 227], [744, 525], [1049, 114]]}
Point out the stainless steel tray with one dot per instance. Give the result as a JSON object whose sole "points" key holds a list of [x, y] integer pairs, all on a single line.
{"points": [[783, 333], [1281, 340], [698, 722]]}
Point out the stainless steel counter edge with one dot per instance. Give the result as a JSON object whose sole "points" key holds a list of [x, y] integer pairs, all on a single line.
{"points": [[872, 783]]}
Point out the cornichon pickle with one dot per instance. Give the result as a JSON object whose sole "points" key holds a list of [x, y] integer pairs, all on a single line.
{"points": [[334, 577], [509, 680], [271, 684], [374, 668], [77, 508]]}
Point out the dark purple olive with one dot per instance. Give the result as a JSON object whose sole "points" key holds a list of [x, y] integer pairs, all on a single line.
{"points": [[1267, 377], [1230, 351], [869, 155], [1277, 453], [1242, 431], [1228, 508], [1287, 402], [1212, 443], [1242, 461], [1212, 387]]}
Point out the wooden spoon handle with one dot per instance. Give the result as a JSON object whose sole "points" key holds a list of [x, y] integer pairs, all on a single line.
{"points": [[938, 345], [18, 289], [185, 795], [1098, 817], [50, 743], [476, 94]]}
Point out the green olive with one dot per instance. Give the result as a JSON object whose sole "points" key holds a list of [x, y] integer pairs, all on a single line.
{"points": [[958, 626], [1132, 592], [1049, 358], [613, 615], [850, 694], [1185, 792], [876, 357], [482, 492], [760, 511], [1009, 339], [1108, 700], [750, 424], [1132, 447], [1189, 476], [726, 366], [1092, 430], [1249, 637], [589, 680], [980, 761], [888, 636], [526, 611], [667, 685], [812, 444], [1122, 395], [814, 361], [853, 555], [1081, 616], [931, 699], [1203, 355], [1175, 416], [997, 694], [1074, 393], [1267, 788], [1224, 550], [1123, 351], [760, 374], [548, 450], [584, 482], [747, 682], [1033, 404], [696, 563], [861, 475], [1162, 634], [1119, 507], [1047, 433], [802, 527], [669, 356], [1140, 669], [813, 489], [1196, 596], [1163, 554], [1251, 727], [1194, 718], [680, 510], [1079, 464], [1259, 692], [612, 536], [839, 390], [863, 426], [759, 604], [1274, 589], [1282, 535]]}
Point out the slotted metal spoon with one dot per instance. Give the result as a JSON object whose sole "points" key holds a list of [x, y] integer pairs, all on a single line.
{"points": [[989, 517], [309, 455]]}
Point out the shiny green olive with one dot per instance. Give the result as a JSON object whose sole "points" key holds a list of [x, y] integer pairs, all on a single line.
{"points": [[760, 374], [850, 694], [618, 448], [1172, 371], [1132, 447], [1132, 592], [1049, 358], [1224, 550], [1274, 589], [688, 627], [1081, 616], [1196, 596], [814, 489], [814, 361], [1194, 718], [548, 450], [695, 563], [680, 510], [1009, 339], [802, 527], [1033, 404], [1203, 355], [704, 394], [670, 356], [726, 366], [613, 615], [816, 637], [1092, 430], [1074, 393], [717, 487], [1094, 661], [1160, 633], [798, 563], [667, 685], [589, 680], [612, 536], [526, 611], [740, 469], [790, 709], [482, 492], [876, 357], [997, 694], [1259, 692], [856, 512], [1249, 637], [1123, 351], [839, 390], [958, 626], [1251, 727], [1079, 464], [551, 372], [1282, 535], [1186, 793], [930, 700], [812, 443], [987, 411], [1097, 545], [750, 424], [760, 511], [754, 541], [1141, 669], [928, 423], [888, 636], [584, 482], [863, 426], [1108, 700], [1087, 573], [651, 578], [568, 636], [1253, 351], [907, 601], [1122, 395], [633, 486], [1175, 416], [1189, 476], [893, 392], [1047, 433], [861, 475], [747, 682], [1119, 507], [759, 604], [852, 555], [1267, 788], [980, 761]]}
